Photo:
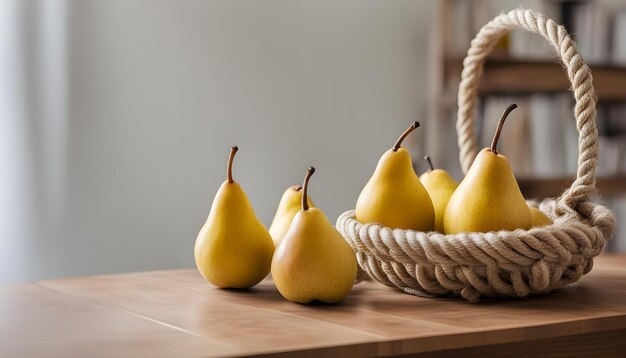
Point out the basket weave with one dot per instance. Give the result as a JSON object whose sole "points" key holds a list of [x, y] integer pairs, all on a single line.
{"points": [[505, 263]]}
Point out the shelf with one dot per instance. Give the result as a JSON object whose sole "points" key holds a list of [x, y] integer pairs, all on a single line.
{"points": [[508, 76], [553, 187]]}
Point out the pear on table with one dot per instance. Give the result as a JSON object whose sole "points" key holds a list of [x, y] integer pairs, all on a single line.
{"points": [[290, 204], [313, 261], [440, 186], [488, 198], [539, 218], [233, 248], [394, 195]]}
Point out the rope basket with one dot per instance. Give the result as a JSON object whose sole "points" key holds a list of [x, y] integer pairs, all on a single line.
{"points": [[505, 263]]}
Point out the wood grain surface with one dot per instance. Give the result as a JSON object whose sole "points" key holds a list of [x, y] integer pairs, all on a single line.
{"points": [[177, 313]]}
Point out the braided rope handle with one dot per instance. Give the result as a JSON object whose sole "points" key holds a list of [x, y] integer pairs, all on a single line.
{"points": [[510, 263], [579, 75]]}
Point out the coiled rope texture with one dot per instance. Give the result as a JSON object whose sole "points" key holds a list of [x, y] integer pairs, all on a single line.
{"points": [[505, 263]]}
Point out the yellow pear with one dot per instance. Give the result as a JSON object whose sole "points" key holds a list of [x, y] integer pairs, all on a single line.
{"points": [[289, 205], [488, 198], [394, 195], [440, 186], [539, 218], [233, 248], [313, 261]]}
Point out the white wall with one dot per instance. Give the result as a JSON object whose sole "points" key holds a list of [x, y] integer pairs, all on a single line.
{"points": [[159, 90]]}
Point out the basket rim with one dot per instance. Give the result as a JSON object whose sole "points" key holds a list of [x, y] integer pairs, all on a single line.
{"points": [[554, 243], [504, 263], [564, 222]]}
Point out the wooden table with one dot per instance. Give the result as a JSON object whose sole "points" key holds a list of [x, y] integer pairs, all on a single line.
{"points": [[176, 313]]}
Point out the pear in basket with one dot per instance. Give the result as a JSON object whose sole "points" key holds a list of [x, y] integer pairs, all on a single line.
{"points": [[539, 218], [233, 248], [488, 198], [313, 261], [394, 195], [440, 186]]}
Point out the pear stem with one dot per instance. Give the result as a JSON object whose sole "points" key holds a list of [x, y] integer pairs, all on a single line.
{"points": [[496, 136], [305, 189], [406, 133], [231, 157], [430, 164]]}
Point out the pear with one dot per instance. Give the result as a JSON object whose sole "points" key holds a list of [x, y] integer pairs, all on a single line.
{"points": [[313, 261], [394, 195], [488, 198], [440, 185], [287, 208], [233, 248], [539, 218]]}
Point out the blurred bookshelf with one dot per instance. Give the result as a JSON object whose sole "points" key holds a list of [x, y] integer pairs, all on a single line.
{"points": [[503, 74], [541, 140]]}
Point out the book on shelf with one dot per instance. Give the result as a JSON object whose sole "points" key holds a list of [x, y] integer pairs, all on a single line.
{"points": [[525, 45], [590, 26], [565, 104], [547, 138], [618, 45]]}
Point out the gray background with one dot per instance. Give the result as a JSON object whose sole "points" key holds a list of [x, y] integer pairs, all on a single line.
{"points": [[125, 112]]}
